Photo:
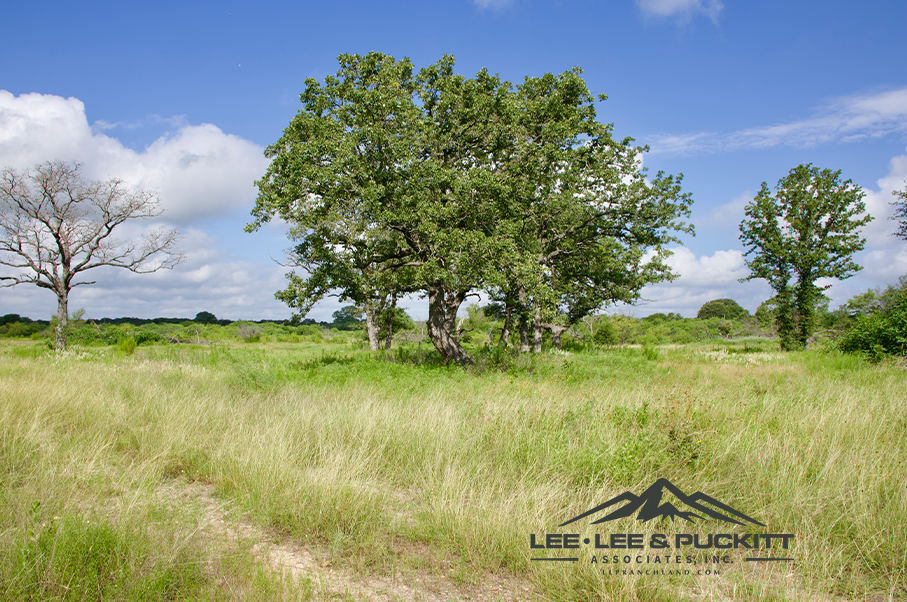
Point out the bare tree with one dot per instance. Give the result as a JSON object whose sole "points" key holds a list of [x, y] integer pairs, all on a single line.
{"points": [[54, 225]]}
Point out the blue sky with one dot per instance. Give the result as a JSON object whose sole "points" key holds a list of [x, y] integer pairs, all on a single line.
{"points": [[184, 97]]}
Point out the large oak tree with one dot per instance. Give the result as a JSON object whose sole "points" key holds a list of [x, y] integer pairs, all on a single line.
{"points": [[431, 182]]}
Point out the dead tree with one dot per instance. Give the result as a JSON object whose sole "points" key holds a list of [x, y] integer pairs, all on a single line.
{"points": [[54, 225]]}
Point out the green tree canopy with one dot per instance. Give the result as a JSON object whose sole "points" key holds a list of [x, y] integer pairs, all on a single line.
{"points": [[807, 230], [396, 182], [206, 317], [722, 308], [348, 317]]}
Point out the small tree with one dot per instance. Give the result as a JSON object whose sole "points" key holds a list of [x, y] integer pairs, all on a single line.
{"points": [[807, 231], [393, 320], [54, 225], [205, 317], [348, 318], [900, 211], [722, 308]]}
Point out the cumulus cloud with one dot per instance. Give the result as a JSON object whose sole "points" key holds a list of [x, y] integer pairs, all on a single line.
{"points": [[845, 119], [199, 170], [206, 281], [684, 9], [702, 279], [885, 258], [720, 269]]}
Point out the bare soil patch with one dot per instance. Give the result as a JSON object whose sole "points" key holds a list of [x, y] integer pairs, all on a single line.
{"points": [[424, 575]]}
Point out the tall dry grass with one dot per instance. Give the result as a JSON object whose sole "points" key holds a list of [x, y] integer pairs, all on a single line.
{"points": [[359, 453]]}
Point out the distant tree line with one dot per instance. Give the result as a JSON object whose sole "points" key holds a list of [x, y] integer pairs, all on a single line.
{"points": [[14, 325]]}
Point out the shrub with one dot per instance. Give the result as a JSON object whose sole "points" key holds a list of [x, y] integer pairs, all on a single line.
{"points": [[90, 335], [882, 332], [126, 346], [18, 329], [605, 335], [143, 337], [249, 333]]}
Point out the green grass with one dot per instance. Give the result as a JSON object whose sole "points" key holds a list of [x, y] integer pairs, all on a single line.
{"points": [[370, 456]]}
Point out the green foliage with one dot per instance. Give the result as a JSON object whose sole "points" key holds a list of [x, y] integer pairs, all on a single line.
{"points": [[882, 331], [145, 337], [20, 327], [249, 333], [722, 308], [87, 335], [10, 318], [863, 304], [443, 184], [605, 334], [660, 318], [126, 346], [494, 310], [205, 317], [765, 314], [348, 318], [808, 230], [396, 317]]}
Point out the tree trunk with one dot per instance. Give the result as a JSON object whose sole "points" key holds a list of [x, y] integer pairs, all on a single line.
{"points": [[62, 318], [371, 327], [390, 324], [508, 323], [556, 331], [524, 321], [805, 303], [785, 320], [537, 330], [443, 305]]}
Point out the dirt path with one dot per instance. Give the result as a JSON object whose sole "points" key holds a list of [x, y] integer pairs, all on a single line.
{"points": [[435, 584]]}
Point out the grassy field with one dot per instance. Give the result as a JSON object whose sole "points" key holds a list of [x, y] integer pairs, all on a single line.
{"points": [[187, 472]]}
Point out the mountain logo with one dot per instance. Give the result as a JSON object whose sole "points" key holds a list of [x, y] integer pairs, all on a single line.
{"points": [[650, 506]]}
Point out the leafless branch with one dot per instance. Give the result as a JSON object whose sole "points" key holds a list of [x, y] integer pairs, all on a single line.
{"points": [[54, 225]]}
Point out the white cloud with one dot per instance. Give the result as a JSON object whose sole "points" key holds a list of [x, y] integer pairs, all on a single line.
{"points": [[844, 119], [729, 214], [206, 281], [198, 170], [705, 278], [702, 279], [880, 231], [884, 266], [684, 9], [885, 258], [721, 269]]}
